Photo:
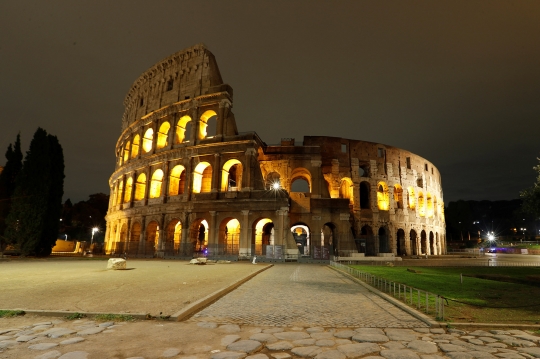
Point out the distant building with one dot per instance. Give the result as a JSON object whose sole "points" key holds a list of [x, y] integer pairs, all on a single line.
{"points": [[187, 182]]}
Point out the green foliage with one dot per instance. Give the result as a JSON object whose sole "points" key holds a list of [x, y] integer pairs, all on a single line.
{"points": [[78, 218], [11, 313], [8, 179], [36, 207], [531, 197], [75, 315], [114, 317]]}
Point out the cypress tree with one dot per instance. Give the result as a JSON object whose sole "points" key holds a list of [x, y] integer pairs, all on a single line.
{"points": [[33, 221], [8, 179]]}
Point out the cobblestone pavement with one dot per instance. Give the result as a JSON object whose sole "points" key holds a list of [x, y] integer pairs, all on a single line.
{"points": [[305, 295]]}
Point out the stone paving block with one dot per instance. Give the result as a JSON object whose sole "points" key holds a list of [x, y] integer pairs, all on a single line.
{"points": [[431, 356], [481, 333], [451, 348], [488, 339], [422, 330], [170, 352], [292, 335], [280, 355], [229, 339], [343, 341], [392, 345], [304, 342], [437, 331], [331, 354], [273, 330], [8, 343], [281, 345], [476, 341], [60, 333], [369, 331], [401, 334], [500, 332], [509, 356], [345, 334], [315, 330], [519, 343], [358, 350], [38, 328], [325, 343], [517, 332], [377, 338], [42, 346], [75, 355], [53, 354], [399, 354], [246, 346], [481, 355], [91, 331], [25, 338], [257, 356], [422, 346], [306, 352], [528, 337], [106, 324], [459, 355], [323, 335], [496, 345], [6, 337], [72, 341], [228, 355], [264, 338], [535, 352]]}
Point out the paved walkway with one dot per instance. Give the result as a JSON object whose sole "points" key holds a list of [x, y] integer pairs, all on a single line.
{"points": [[305, 295]]}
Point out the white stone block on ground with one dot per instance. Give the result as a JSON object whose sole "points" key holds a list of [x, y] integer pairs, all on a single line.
{"points": [[116, 263]]}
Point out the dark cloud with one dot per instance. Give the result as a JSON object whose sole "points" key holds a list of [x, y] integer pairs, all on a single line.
{"points": [[457, 82]]}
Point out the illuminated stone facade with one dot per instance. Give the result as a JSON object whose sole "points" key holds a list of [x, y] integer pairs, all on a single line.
{"points": [[187, 183]]}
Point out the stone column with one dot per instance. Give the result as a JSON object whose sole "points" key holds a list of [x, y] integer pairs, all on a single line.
{"points": [[317, 179], [172, 130], [245, 241], [246, 178], [185, 231], [194, 114], [141, 139], [223, 112], [107, 239], [189, 178], [154, 138], [143, 235], [147, 186], [165, 183], [216, 171], [161, 239], [213, 235]]}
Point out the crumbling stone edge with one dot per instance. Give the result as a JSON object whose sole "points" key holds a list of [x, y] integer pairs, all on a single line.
{"points": [[198, 305], [65, 313]]}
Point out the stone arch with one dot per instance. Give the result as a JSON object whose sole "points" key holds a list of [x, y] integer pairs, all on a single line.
{"points": [[302, 237], [126, 151], [140, 187], [173, 237], [202, 178], [383, 197], [147, 141], [432, 244], [429, 202], [398, 196], [229, 236], [123, 233], [207, 116], [156, 183], [135, 146], [231, 175], [423, 242], [421, 204], [301, 176], [177, 180], [365, 195], [129, 188], [346, 189], [411, 198], [152, 235], [384, 241], [329, 238], [198, 235], [400, 242], [366, 233], [273, 180], [163, 135], [413, 242], [135, 232], [183, 131], [263, 235]]}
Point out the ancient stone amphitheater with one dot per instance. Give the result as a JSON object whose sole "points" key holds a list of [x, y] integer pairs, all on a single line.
{"points": [[188, 183]]}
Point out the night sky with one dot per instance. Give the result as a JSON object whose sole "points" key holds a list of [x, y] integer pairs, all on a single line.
{"points": [[456, 82]]}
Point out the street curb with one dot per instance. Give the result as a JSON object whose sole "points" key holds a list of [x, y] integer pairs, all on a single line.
{"points": [[209, 299], [65, 313], [424, 318], [492, 325]]}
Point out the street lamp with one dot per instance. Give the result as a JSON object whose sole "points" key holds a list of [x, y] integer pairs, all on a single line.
{"points": [[523, 232], [94, 230]]}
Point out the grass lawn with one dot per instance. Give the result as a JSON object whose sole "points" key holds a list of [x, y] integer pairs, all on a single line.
{"points": [[489, 301]]}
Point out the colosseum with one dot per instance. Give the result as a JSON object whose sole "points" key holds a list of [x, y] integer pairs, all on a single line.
{"points": [[188, 183]]}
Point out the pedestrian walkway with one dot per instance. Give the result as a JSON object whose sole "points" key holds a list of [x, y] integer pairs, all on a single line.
{"points": [[305, 296]]}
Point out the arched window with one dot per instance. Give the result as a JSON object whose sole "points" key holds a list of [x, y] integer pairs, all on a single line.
{"points": [[421, 205], [202, 178], [273, 181], [155, 184], [429, 212], [203, 124], [383, 198], [126, 151], [182, 132], [135, 232], [231, 176], [301, 180], [119, 192], [177, 180], [127, 193], [412, 198], [140, 187], [147, 140], [364, 195], [162, 136], [346, 189], [398, 196], [135, 146]]}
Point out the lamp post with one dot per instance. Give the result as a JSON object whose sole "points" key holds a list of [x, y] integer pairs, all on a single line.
{"points": [[94, 230]]}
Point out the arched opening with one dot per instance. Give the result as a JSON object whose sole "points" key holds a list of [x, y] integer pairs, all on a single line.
{"points": [[135, 232], [435, 205], [301, 235], [263, 236], [229, 237], [123, 234], [147, 140], [177, 180], [140, 187], [163, 135], [301, 180], [202, 178], [155, 184], [398, 196], [173, 237], [199, 236], [421, 205], [119, 190], [383, 198], [384, 245], [429, 205], [328, 241], [129, 188], [364, 195], [183, 130], [152, 237], [135, 146], [208, 118], [231, 176], [273, 181], [414, 241], [423, 242], [366, 233], [432, 244], [126, 151], [401, 248], [346, 189], [412, 198]]}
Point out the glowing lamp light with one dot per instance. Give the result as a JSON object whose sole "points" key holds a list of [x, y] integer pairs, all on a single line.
{"points": [[491, 237], [275, 185]]}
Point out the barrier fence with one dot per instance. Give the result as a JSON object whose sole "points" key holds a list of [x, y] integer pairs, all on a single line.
{"points": [[430, 303]]}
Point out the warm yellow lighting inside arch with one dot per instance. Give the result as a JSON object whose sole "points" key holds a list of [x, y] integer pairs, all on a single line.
{"points": [[203, 123], [412, 198], [383, 198], [225, 174], [398, 196], [126, 151], [421, 205], [429, 205], [127, 193], [162, 136], [180, 135], [175, 183], [198, 176], [135, 146], [140, 187], [147, 140], [346, 189], [155, 184]]}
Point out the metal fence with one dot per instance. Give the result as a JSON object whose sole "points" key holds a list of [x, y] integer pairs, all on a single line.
{"points": [[430, 303]]}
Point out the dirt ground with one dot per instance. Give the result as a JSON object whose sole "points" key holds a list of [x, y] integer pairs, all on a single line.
{"points": [[148, 286]]}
